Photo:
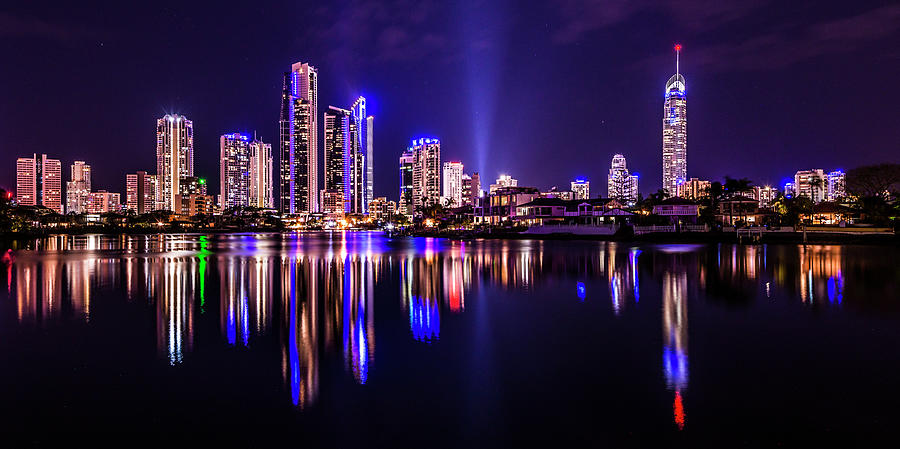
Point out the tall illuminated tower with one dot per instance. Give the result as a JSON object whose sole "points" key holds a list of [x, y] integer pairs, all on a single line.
{"points": [[674, 149], [78, 188], [298, 144], [338, 160], [426, 172], [360, 157], [234, 171], [261, 175], [174, 158]]}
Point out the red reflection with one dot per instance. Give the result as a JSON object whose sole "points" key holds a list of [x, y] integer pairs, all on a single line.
{"points": [[679, 411]]}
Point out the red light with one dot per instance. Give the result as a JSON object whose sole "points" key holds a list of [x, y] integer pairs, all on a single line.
{"points": [[678, 408], [677, 47]]}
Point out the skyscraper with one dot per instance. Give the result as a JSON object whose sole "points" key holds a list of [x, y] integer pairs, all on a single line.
{"points": [[622, 185], [674, 149], [581, 189], [298, 144], [338, 160], [836, 185], [453, 183], [426, 172], [361, 152], [359, 157], [174, 158], [39, 182], [78, 188], [261, 194], [370, 159], [475, 189], [405, 204], [140, 192], [234, 171]]}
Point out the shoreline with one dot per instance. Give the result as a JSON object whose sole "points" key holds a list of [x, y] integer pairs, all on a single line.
{"points": [[662, 237]]}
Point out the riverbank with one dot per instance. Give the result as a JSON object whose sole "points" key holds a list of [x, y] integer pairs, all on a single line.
{"points": [[686, 237]]}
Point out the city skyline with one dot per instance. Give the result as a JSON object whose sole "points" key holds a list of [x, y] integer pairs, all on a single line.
{"points": [[726, 137]]}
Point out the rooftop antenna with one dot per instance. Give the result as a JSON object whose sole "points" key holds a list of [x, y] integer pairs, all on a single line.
{"points": [[677, 54]]}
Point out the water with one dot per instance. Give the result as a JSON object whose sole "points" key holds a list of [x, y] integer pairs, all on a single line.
{"points": [[355, 339]]}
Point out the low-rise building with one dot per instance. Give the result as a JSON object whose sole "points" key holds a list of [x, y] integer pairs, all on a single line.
{"points": [[380, 209], [678, 210], [500, 205]]}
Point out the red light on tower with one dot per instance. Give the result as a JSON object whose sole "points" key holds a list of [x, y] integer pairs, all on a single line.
{"points": [[677, 47]]}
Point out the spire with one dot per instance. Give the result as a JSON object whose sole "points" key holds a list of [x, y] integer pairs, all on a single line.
{"points": [[677, 57]]}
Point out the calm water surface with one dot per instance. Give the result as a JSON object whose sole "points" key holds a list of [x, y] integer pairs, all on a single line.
{"points": [[355, 339]]}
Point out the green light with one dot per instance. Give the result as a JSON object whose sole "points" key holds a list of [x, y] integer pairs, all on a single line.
{"points": [[202, 181]]}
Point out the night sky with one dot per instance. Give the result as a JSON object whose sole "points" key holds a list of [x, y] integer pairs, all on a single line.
{"points": [[544, 91]]}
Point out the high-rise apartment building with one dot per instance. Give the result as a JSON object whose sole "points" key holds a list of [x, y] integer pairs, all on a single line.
{"points": [[837, 181], [361, 157], [405, 204], [234, 170], [78, 187], [453, 183], [261, 165], [140, 192], [298, 142], [674, 149], [338, 161], [174, 158], [581, 189], [426, 172], [812, 184], [621, 185], [39, 182]]}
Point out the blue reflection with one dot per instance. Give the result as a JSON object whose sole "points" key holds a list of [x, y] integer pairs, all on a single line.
{"points": [[632, 259], [292, 329], [424, 319], [675, 365], [836, 289], [581, 290]]}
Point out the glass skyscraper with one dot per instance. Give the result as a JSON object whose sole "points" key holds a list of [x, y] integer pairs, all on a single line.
{"points": [[674, 151], [298, 144]]}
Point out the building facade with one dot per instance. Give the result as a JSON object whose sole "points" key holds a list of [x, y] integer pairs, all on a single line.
{"points": [[174, 158], [405, 203], [812, 184], [39, 182], [581, 189], [140, 192], [693, 189], [426, 189], [234, 170], [339, 167], [298, 141], [78, 187], [262, 193], [837, 182], [361, 157], [453, 183], [101, 202], [674, 150], [620, 183], [503, 181], [380, 209]]}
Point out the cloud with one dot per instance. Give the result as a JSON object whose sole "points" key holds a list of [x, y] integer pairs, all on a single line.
{"points": [[390, 30]]}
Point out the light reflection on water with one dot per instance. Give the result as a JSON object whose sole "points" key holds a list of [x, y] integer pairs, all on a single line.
{"points": [[317, 293]]}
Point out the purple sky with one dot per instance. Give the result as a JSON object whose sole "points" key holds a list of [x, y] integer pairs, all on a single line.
{"points": [[545, 91]]}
